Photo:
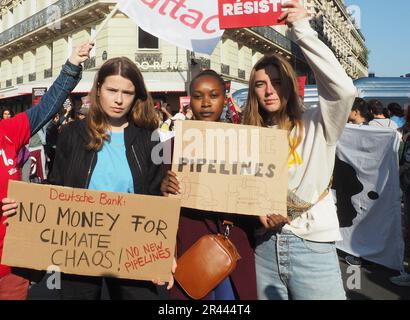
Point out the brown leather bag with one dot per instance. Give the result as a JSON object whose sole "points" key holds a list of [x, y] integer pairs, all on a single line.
{"points": [[206, 264]]}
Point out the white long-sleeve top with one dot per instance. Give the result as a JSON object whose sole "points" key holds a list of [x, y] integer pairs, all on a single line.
{"points": [[310, 175]]}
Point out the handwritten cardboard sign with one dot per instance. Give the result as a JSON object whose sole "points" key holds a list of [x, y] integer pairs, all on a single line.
{"points": [[92, 233], [249, 13], [231, 168]]}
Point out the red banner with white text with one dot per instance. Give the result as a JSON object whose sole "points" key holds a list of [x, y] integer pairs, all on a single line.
{"points": [[249, 13]]}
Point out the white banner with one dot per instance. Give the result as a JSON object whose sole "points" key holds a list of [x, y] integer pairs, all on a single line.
{"points": [[190, 24], [366, 180]]}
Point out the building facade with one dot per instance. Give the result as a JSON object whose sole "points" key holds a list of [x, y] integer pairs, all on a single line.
{"points": [[36, 37], [339, 28]]}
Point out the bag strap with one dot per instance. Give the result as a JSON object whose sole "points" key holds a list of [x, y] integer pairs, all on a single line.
{"points": [[296, 207], [326, 191], [228, 226]]}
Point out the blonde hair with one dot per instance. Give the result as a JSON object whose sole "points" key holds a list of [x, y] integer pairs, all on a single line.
{"points": [[141, 113], [289, 115]]}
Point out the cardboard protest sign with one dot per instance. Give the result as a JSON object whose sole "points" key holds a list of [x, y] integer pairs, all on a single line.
{"points": [[301, 85], [231, 168], [90, 232], [249, 13]]}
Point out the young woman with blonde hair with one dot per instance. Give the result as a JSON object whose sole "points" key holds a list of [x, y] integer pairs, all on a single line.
{"points": [[296, 255]]}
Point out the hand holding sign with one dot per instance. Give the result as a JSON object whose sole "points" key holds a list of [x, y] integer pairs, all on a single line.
{"points": [[171, 281], [274, 221], [170, 184], [294, 12], [8, 208]]}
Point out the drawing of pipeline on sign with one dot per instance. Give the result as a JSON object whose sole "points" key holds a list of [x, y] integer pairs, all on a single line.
{"points": [[199, 193], [248, 193]]}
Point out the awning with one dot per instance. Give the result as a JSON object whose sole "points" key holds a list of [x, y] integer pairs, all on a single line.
{"points": [[165, 81], [155, 82], [26, 89]]}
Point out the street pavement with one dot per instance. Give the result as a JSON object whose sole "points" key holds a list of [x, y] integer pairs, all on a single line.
{"points": [[372, 284]]}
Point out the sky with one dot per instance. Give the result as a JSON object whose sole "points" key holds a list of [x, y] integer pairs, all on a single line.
{"points": [[386, 26]]}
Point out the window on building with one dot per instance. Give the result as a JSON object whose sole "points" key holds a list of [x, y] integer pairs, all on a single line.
{"points": [[19, 66], [147, 40], [48, 55], [31, 61]]}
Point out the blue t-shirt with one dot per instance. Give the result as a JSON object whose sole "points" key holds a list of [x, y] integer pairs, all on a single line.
{"points": [[400, 121], [112, 172]]}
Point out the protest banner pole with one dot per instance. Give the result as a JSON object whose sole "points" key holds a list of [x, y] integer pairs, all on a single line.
{"points": [[107, 18], [189, 75]]}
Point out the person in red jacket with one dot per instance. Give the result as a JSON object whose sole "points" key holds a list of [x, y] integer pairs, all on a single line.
{"points": [[14, 135]]}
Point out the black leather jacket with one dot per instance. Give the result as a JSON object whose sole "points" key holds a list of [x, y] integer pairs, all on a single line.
{"points": [[74, 164]]}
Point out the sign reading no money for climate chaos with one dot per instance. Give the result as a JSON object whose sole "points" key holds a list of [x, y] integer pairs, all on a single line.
{"points": [[90, 232]]}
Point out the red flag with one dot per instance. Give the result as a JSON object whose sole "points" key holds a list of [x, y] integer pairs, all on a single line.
{"points": [[249, 13], [301, 85], [37, 169], [234, 114]]}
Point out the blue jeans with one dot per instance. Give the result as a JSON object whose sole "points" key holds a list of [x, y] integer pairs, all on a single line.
{"points": [[288, 267]]}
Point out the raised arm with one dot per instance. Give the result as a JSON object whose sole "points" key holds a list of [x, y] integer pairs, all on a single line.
{"points": [[335, 88], [54, 98]]}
